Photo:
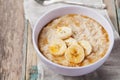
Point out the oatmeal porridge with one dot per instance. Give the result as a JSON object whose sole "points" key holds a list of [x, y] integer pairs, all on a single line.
{"points": [[73, 40]]}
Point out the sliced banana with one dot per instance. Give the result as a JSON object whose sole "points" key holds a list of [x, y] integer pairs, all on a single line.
{"points": [[85, 62], [64, 32], [74, 53], [86, 45], [57, 47], [50, 35], [70, 41]]}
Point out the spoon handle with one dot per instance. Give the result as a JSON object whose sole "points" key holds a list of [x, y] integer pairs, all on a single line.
{"points": [[97, 6]]}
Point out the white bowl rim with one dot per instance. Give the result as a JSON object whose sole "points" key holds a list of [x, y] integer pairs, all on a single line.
{"points": [[67, 67]]}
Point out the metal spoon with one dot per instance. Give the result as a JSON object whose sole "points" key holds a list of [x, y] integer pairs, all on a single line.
{"points": [[49, 2]]}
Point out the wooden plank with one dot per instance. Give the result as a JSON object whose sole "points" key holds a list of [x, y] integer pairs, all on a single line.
{"points": [[31, 64], [24, 50], [11, 39], [112, 12], [118, 13]]}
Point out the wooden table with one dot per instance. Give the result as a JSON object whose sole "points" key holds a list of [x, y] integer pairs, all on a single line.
{"points": [[17, 56]]}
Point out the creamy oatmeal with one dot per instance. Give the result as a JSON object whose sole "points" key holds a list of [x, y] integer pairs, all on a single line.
{"points": [[73, 40]]}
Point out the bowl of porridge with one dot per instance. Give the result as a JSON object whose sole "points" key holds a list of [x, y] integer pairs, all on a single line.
{"points": [[73, 40]]}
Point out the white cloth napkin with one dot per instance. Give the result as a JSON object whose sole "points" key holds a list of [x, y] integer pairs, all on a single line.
{"points": [[33, 10], [111, 68]]}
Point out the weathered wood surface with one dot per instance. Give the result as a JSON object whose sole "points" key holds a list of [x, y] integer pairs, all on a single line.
{"points": [[31, 59], [118, 13], [11, 39], [18, 58], [111, 8]]}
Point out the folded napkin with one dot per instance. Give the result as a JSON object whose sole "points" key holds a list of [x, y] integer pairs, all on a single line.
{"points": [[110, 70]]}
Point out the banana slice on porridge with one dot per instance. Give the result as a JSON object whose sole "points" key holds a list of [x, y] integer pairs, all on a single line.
{"points": [[70, 41], [64, 32], [86, 45], [57, 47], [74, 53]]}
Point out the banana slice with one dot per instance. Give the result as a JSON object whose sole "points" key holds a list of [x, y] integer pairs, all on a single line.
{"points": [[85, 62], [57, 47], [64, 32], [74, 53], [86, 45], [50, 34], [70, 41]]}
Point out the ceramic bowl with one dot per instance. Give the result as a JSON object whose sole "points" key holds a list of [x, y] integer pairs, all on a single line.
{"points": [[54, 13]]}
